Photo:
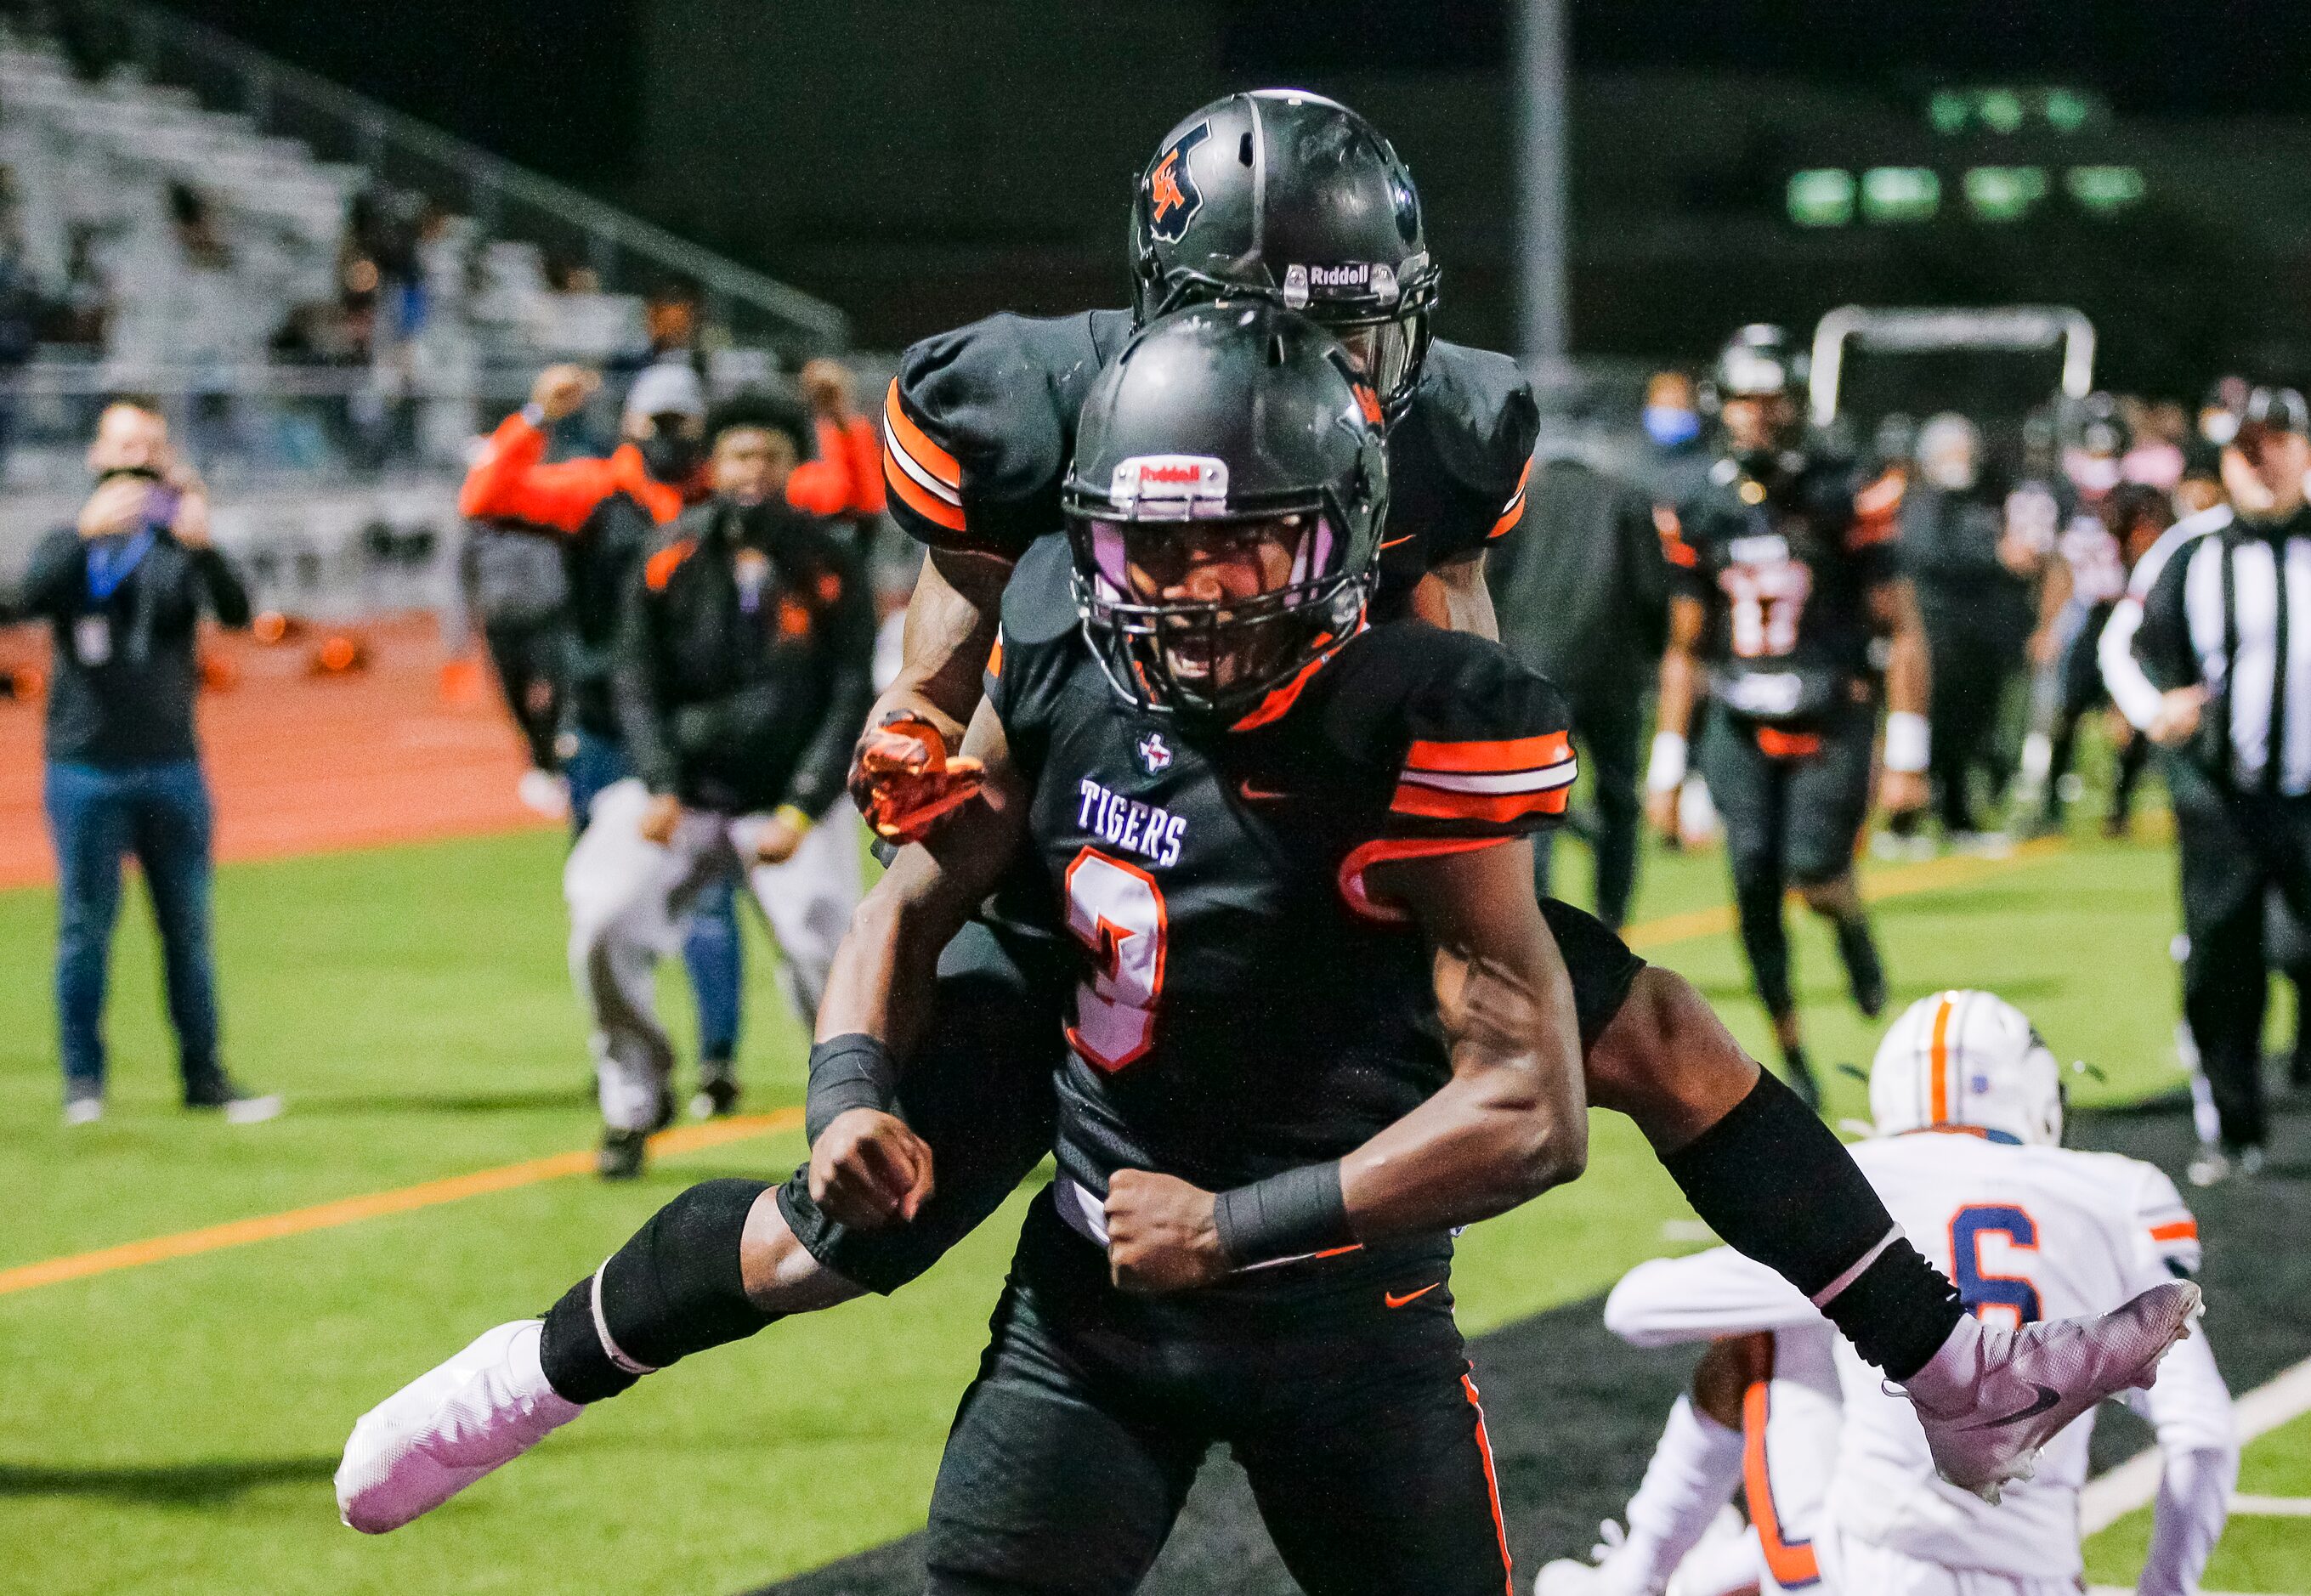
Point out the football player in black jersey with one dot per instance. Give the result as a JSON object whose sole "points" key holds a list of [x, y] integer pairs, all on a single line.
{"points": [[1783, 572], [1317, 1019]]}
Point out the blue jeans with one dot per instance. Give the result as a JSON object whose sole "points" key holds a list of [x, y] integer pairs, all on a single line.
{"points": [[710, 948], [160, 814]]}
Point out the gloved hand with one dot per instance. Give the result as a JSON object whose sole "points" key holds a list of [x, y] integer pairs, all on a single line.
{"points": [[903, 779]]}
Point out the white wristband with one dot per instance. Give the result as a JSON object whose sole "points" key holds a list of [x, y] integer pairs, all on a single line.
{"points": [[1666, 773], [1908, 742]]}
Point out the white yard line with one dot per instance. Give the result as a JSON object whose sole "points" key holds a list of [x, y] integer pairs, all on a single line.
{"points": [[2134, 1484], [2271, 1507]]}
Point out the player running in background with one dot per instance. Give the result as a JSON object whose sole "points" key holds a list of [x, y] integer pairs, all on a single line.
{"points": [[741, 677], [1362, 756], [1783, 573], [1840, 1491]]}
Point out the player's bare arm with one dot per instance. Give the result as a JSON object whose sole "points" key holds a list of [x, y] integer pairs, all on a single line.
{"points": [[1510, 1123], [1680, 691], [1454, 596], [1893, 611], [866, 1167], [901, 777]]}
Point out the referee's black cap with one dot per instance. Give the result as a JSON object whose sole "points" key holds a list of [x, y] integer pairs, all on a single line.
{"points": [[2270, 410]]}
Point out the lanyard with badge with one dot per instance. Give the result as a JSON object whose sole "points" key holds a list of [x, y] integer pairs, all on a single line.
{"points": [[108, 568]]}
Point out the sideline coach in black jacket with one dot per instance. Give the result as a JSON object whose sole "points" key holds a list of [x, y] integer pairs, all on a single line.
{"points": [[742, 676], [123, 592]]}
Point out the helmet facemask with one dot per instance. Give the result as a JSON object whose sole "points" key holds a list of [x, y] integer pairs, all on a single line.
{"points": [[1206, 614]]}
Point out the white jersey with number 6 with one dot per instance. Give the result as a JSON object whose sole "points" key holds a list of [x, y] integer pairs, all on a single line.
{"points": [[2028, 1233]]}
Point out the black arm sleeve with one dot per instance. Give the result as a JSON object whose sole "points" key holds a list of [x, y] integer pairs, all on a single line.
{"points": [[634, 687], [228, 599], [850, 638]]}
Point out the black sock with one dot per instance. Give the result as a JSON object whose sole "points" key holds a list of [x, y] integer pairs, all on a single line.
{"points": [[675, 1289], [1800, 1069], [1766, 941], [1864, 972], [1779, 1186]]}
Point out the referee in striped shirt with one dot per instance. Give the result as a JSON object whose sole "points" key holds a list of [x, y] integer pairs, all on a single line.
{"points": [[2218, 671]]}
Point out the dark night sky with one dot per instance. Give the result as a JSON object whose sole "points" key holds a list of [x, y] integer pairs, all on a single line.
{"points": [[560, 94]]}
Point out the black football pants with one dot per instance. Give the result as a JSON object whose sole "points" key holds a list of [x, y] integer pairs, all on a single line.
{"points": [[1345, 1394], [1793, 800]]}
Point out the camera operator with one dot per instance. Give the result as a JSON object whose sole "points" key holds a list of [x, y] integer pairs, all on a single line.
{"points": [[123, 591]]}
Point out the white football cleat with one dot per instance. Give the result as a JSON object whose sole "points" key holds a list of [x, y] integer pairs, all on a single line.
{"points": [[1991, 1397], [447, 1429], [1607, 1571]]}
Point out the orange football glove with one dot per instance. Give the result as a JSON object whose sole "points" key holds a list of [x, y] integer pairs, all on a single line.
{"points": [[904, 781]]}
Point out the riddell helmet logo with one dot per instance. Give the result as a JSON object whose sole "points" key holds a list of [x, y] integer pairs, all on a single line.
{"points": [[1181, 479], [1172, 198], [1348, 280]]}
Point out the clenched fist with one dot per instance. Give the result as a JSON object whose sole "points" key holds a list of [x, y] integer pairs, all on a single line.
{"points": [[1161, 1235], [904, 781], [867, 1169]]}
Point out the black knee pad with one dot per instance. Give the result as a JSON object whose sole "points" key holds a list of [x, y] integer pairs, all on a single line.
{"points": [[677, 1286]]}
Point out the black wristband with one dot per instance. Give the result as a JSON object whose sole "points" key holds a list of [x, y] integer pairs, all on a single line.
{"points": [[1288, 1216], [853, 1070]]}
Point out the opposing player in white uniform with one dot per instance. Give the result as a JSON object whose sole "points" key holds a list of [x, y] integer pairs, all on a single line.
{"points": [[1843, 1496]]}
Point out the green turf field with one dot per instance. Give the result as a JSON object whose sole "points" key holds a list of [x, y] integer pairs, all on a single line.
{"points": [[172, 1428]]}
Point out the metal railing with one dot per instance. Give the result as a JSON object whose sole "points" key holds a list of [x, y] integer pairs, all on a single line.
{"points": [[508, 201]]}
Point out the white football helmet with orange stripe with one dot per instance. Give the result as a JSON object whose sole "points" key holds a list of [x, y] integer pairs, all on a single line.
{"points": [[1967, 1059]]}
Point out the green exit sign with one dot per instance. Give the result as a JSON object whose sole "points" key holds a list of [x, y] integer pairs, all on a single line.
{"points": [[2007, 109]]}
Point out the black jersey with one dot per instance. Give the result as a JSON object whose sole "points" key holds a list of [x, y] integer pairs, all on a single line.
{"points": [[1242, 1006], [980, 423], [1784, 565]]}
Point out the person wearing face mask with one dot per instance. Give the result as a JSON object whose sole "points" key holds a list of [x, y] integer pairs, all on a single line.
{"points": [[2209, 656], [1677, 464], [741, 677], [1975, 598], [123, 592]]}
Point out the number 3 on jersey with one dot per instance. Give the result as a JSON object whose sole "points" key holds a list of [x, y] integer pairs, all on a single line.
{"points": [[1981, 1291], [1117, 911]]}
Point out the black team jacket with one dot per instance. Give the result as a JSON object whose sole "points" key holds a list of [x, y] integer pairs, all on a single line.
{"points": [[744, 666]]}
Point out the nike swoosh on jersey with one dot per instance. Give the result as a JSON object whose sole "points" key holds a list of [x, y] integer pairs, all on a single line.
{"points": [[1394, 1301], [1260, 794], [2048, 1397]]}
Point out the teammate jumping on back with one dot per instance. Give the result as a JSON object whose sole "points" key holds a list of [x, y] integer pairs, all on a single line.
{"points": [[1840, 1493], [1782, 571], [1394, 773]]}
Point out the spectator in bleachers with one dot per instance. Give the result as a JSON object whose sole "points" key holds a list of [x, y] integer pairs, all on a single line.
{"points": [[123, 592]]}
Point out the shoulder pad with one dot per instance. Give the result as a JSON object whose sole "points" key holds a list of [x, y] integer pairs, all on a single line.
{"points": [[978, 425], [1039, 602], [1480, 411], [1480, 746]]}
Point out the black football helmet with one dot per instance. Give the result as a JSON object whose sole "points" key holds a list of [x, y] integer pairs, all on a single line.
{"points": [[1289, 195], [1758, 362], [1228, 437]]}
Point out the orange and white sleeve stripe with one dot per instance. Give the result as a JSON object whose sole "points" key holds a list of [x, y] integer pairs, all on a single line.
{"points": [[1496, 783], [1514, 510], [921, 474]]}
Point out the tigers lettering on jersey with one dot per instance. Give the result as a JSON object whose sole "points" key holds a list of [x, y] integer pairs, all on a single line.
{"points": [[1147, 830]]}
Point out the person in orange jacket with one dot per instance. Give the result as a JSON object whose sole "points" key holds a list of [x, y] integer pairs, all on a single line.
{"points": [[606, 512]]}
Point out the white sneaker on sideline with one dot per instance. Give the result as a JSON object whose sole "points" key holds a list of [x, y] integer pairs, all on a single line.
{"points": [[448, 1427], [254, 1111], [83, 1110], [1991, 1397]]}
